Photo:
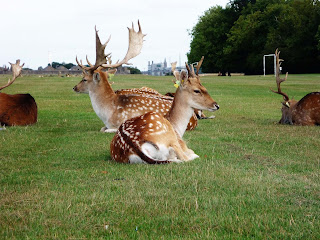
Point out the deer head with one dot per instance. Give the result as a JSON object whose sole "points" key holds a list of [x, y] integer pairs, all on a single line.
{"points": [[287, 104], [190, 95], [134, 49]]}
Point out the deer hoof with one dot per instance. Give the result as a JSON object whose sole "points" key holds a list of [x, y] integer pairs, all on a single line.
{"points": [[193, 156], [110, 130], [103, 129]]}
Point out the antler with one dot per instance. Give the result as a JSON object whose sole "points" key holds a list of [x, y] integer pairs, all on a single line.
{"points": [[278, 79], [16, 71], [134, 49], [175, 72], [199, 65], [100, 56], [191, 72]]}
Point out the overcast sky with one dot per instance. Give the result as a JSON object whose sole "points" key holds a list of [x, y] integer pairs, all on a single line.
{"points": [[41, 31]]}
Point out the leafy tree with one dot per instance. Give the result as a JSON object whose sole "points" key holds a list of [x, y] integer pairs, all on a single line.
{"points": [[256, 28], [208, 38], [66, 65], [134, 70]]}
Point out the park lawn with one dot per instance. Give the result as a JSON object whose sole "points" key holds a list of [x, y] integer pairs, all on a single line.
{"points": [[255, 179]]}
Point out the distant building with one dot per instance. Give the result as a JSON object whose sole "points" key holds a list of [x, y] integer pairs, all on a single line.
{"points": [[75, 68], [158, 69]]}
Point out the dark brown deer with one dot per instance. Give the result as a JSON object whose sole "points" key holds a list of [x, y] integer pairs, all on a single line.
{"points": [[155, 139], [114, 108], [304, 112], [17, 109]]}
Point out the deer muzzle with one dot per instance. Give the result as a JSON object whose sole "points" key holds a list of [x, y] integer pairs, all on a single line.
{"points": [[215, 107]]}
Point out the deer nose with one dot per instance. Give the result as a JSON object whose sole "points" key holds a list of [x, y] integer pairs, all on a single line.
{"points": [[217, 106]]}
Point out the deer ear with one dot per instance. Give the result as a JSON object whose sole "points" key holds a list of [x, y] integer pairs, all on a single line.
{"points": [[96, 77], [183, 78]]}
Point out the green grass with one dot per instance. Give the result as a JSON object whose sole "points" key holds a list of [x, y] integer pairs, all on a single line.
{"points": [[255, 179]]}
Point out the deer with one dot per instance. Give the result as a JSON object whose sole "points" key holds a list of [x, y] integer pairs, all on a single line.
{"points": [[17, 109], [304, 112], [156, 139], [111, 107]]}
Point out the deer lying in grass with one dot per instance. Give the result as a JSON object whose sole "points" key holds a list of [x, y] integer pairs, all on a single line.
{"points": [[303, 112], [114, 108], [17, 109], [154, 139]]}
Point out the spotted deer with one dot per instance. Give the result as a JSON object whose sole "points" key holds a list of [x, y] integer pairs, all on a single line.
{"points": [[17, 109], [303, 112], [154, 139], [111, 107]]}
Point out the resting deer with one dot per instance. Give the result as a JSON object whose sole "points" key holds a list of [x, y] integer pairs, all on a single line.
{"points": [[303, 112], [114, 108], [17, 109], [155, 139]]}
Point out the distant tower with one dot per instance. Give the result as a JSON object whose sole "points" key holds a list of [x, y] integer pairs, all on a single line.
{"points": [[165, 63]]}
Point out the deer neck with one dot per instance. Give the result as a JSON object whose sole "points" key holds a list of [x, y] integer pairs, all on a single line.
{"points": [[102, 99], [180, 112]]}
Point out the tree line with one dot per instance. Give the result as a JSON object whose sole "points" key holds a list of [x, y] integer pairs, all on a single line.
{"points": [[235, 38]]}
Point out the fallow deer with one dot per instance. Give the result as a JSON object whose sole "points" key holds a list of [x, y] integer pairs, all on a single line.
{"points": [[155, 139], [303, 112], [17, 109], [112, 108]]}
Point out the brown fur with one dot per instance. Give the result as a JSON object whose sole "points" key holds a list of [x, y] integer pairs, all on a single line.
{"points": [[303, 112], [17, 109]]}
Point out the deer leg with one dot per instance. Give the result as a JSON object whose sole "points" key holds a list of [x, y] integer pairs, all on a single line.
{"points": [[179, 153], [190, 153]]}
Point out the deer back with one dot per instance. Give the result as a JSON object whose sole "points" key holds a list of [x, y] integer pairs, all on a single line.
{"points": [[17, 109], [304, 112], [136, 137]]}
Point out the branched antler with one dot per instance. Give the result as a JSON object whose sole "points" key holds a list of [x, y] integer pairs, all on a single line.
{"points": [[278, 79], [16, 71], [134, 49], [100, 55]]}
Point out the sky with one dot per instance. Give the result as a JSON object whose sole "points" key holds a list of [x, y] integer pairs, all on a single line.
{"points": [[39, 32]]}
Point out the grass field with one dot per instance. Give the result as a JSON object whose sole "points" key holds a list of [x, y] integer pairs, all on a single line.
{"points": [[255, 179]]}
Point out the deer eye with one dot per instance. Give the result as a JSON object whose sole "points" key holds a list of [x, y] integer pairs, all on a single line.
{"points": [[84, 80], [196, 91]]}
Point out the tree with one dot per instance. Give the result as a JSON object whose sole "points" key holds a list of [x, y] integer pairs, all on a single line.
{"points": [[66, 65], [258, 28], [208, 38], [134, 70]]}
